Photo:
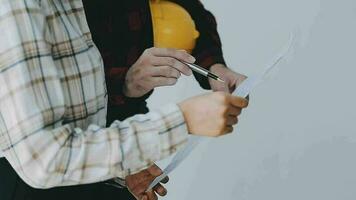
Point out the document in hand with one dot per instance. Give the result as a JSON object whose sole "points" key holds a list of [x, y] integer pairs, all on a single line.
{"points": [[243, 90]]}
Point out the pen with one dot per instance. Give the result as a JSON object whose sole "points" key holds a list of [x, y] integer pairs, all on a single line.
{"points": [[203, 71]]}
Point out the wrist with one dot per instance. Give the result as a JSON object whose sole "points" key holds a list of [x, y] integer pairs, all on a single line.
{"points": [[132, 98], [131, 91], [217, 67], [184, 109], [126, 91]]}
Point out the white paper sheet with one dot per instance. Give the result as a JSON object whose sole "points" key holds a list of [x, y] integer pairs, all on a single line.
{"points": [[242, 91]]}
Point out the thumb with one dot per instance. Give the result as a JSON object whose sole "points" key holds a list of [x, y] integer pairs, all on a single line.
{"points": [[232, 86]]}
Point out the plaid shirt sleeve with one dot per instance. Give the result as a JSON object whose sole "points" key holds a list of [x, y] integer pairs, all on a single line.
{"points": [[44, 149], [208, 50]]}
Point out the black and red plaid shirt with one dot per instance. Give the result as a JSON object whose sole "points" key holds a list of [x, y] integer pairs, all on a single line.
{"points": [[122, 30]]}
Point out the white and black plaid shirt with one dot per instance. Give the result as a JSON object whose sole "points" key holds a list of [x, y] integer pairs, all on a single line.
{"points": [[53, 102]]}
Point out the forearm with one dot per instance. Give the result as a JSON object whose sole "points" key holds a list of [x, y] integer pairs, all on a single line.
{"points": [[66, 156]]}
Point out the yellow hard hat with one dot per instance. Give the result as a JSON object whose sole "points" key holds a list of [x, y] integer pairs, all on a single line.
{"points": [[173, 27]]}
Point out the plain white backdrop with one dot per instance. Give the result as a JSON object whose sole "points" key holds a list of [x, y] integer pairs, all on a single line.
{"points": [[297, 140]]}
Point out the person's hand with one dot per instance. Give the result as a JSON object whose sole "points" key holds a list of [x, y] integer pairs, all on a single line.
{"points": [[138, 183], [156, 67], [212, 114], [231, 78]]}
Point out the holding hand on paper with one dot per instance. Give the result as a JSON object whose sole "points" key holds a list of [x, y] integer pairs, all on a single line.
{"points": [[231, 78], [213, 114], [138, 183], [209, 115]]}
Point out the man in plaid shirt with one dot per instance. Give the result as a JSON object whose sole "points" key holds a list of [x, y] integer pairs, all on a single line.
{"points": [[53, 103], [123, 32]]}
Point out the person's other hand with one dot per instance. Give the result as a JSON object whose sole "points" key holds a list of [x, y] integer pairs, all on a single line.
{"points": [[138, 183], [155, 68], [212, 114], [231, 78]]}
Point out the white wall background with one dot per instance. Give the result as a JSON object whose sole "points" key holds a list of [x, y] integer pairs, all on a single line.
{"points": [[297, 140]]}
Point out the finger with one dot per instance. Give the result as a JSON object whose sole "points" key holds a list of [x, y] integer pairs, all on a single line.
{"points": [[144, 197], [174, 53], [229, 129], [165, 180], [237, 80], [151, 195], [231, 121], [172, 62], [232, 88], [163, 81], [160, 190], [155, 170], [166, 71], [233, 84], [234, 111], [238, 101]]}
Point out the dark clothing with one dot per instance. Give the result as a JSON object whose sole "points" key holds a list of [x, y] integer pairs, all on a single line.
{"points": [[122, 30], [13, 188]]}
